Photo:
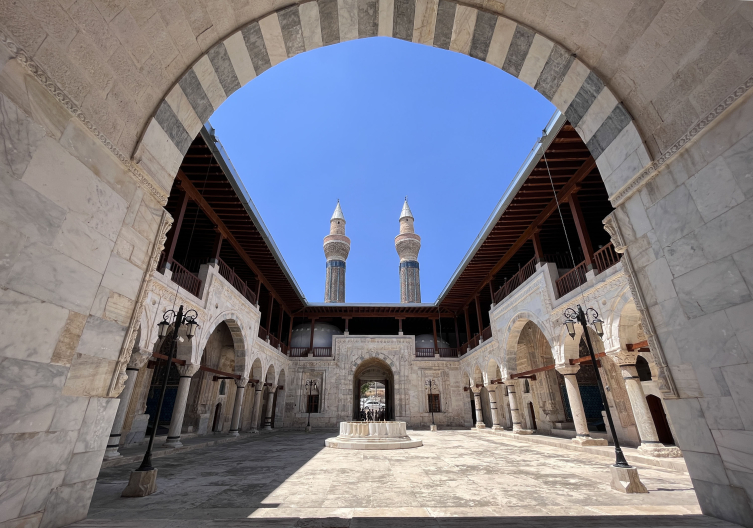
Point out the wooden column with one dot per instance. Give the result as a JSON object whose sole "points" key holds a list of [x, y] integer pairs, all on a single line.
{"points": [[258, 291], [216, 247], [467, 325], [536, 239], [347, 320], [279, 324], [457, 334], [172, 238], [311, 341], [269, 315], [491, 291], [400, 325], [290, 330], [434, 329], [580, 225], [478, 316]]}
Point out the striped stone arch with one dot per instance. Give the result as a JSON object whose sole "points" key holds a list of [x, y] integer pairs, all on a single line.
{"points": [[510, 337], [233, 322], [599, 117]]}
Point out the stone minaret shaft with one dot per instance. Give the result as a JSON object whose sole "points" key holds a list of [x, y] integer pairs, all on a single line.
{"points": [[336, 249], [408, 244]]}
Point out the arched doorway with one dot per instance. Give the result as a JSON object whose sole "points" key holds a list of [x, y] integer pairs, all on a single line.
{"points": [[374, 370], [660, 420]]}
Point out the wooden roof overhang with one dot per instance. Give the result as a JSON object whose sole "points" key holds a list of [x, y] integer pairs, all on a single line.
{"points": [[529, 205], [209, 179], [393, 310]]}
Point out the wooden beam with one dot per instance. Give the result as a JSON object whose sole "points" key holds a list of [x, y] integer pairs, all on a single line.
{"points": [[196, 196], [636, 346], [582, 228], [528, 373], [562, 195]]}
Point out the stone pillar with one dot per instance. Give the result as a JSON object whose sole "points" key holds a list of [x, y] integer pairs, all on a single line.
{"points": [[270, 408], [179, 409], [138, 360], [479, 413], [583, 437], [240, 385], [650, 444], [517, 419], [492, 389], [256, 415]]}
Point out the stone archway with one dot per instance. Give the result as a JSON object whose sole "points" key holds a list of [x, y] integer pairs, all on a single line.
{"points": [[374, 369]]}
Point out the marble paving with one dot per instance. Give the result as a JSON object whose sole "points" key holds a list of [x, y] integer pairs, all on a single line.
{"points": [[458, 478]]}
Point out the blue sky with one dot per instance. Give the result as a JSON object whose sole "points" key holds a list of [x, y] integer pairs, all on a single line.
{"points": [[369, 122]]}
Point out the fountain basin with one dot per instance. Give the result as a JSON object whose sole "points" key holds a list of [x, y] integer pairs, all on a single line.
{"points": [[372, 435]]}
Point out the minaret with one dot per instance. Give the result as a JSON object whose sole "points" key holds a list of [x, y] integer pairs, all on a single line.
{"points": [[408, 244], [336, 249]]}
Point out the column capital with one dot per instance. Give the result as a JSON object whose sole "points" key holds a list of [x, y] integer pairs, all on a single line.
{"points": [[491, 387], [510, 382], [567, 370], [188, 370], [241, 383], [476, 390], [139, 358], [622, 356]]}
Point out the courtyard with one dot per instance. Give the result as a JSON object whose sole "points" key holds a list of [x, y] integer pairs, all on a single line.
{"points": [[458, 478]]}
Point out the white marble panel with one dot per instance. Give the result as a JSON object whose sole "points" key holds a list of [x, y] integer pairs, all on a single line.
{"points": [[739, 379], [83, 466], [685, 254], [75, 188], [739, 159], [692, 432], [311, 25], [570, 85], [623, 145], [674, 216], [597, 113], [501, 39], [12, 495], [620, 176], [736, 448], [95, 430], [347, 11], [48, 275], [31, 403], [84, 244], [273, 40], [12, 242], [21, 136], [238, 53], [68, 503], [39, 491], [101, 338], [209, 81], [712, 287], [16, 310], [535, 60], [462, 29], [706, 466], [183, 110], [123, 277], [28, 211], [69, 413], [424, 21], [23, 455], [721, 413], [714, 190], [386, 17]]}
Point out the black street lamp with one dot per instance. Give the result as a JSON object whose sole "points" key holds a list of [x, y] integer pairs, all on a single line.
{"points": [[179, 319], [311, 384], [572, 317], [431, 384]]}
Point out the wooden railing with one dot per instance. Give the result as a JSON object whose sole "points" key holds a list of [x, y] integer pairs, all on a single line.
{"points": [[448, 352], [463, 349], [424, 352], [516, 280], [605, 258], [571, 280], [442, 351], [564, 260], [262, 333], [298, 351], [185, 279], [322, 351], [239, 284], [472, 343], [486, 334]]}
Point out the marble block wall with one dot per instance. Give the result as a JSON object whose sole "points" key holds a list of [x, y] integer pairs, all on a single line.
{"points": [[76, 232], [689, 234]]}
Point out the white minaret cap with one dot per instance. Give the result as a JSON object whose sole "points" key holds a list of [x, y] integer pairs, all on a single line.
{"points": [[405, 213], [338, 214]]}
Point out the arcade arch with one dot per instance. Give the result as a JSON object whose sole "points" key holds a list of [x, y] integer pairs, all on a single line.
{"points": [[374, 369]]}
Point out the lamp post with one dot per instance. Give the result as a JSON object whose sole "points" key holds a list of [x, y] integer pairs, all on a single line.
{"points": [[311, 384], [579, 316], [179, 319], [431, 384]]}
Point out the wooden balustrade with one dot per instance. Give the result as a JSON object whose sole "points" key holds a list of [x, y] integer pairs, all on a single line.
{"points": [[424, 352], [486, 334], [185, 279], [449, 352], [571, 280], [298, 351], [605, 258], [239, 284], [322, 351], [516, 280]]}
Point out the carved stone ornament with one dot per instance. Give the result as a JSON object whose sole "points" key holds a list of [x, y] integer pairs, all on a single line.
{"points": [[666, 382], [139, 358], [117, 383]]}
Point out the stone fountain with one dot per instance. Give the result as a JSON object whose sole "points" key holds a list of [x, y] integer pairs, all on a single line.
{"points": [[372, 435]]}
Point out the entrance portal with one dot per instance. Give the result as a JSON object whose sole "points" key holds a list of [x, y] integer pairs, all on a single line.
{"points": [[377, 376]]}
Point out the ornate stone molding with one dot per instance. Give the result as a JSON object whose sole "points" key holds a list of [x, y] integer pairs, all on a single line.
{"points": [[616, 281], [32, 67], [648, 172], [666, 381], [119, 376]]}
